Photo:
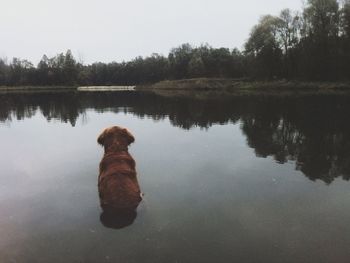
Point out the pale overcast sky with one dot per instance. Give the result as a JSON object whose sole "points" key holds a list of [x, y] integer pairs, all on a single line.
{"points": [[115, 30]]}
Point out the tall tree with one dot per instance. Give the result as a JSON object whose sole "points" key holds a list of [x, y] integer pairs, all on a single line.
{"points": [[69, 68], [179, 59], [288, 28], [321, 28], [264, 49], [345, 21]]}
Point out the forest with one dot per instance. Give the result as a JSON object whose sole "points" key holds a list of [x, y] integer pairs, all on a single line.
{"points": [[312, 44]]}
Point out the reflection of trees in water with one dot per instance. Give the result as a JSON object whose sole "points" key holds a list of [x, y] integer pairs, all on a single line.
{"points": [[312, 130], [61, 106], [67, 107]]}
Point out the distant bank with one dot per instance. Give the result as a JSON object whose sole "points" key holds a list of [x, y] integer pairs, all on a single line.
{"points": [[233, 84], [200, 84], [65, 88]]}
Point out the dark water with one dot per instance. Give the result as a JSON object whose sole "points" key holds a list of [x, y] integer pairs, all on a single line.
{"points": [[240, 179]]}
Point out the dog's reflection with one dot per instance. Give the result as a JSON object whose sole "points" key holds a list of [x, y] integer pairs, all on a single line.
{"points": [[118, 219], [118, 187]]}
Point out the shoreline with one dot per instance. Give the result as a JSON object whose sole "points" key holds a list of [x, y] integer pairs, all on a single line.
{"points": [[199, 85], [239, 84]]}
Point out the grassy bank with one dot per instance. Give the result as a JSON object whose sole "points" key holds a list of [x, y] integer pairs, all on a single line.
{"points": [[23, 89], [205, 85], [206, 88], [4, 89], [233, 84]]}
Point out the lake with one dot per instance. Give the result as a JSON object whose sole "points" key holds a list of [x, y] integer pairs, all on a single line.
{"points": [[235, 179]]}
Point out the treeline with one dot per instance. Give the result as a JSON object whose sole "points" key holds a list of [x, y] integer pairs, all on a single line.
{"points": [[182, 62], [312, 44]]}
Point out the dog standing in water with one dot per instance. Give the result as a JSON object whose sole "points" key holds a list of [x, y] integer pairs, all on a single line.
{"points": [[117, 182]]}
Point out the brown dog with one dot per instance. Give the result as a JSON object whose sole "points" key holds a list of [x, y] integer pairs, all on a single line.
{"points": [[117, 182]]}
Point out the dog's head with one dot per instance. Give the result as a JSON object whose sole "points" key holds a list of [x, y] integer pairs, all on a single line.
{"points": [[115, 135]]}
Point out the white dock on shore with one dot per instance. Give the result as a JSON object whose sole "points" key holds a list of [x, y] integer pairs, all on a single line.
{"points": [[107, 88]]}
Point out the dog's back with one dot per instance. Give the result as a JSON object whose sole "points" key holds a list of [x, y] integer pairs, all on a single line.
{"points": [[117, 181]]}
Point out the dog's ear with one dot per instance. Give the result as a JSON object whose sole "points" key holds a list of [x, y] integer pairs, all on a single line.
{"points": [[101, 138], [130, 137]]}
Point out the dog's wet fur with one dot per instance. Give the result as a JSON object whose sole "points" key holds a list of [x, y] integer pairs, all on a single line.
{"points": [[117, 182]]}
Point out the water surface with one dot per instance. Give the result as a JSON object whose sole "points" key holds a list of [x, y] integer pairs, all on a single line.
{"points": [[237, 179]]}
